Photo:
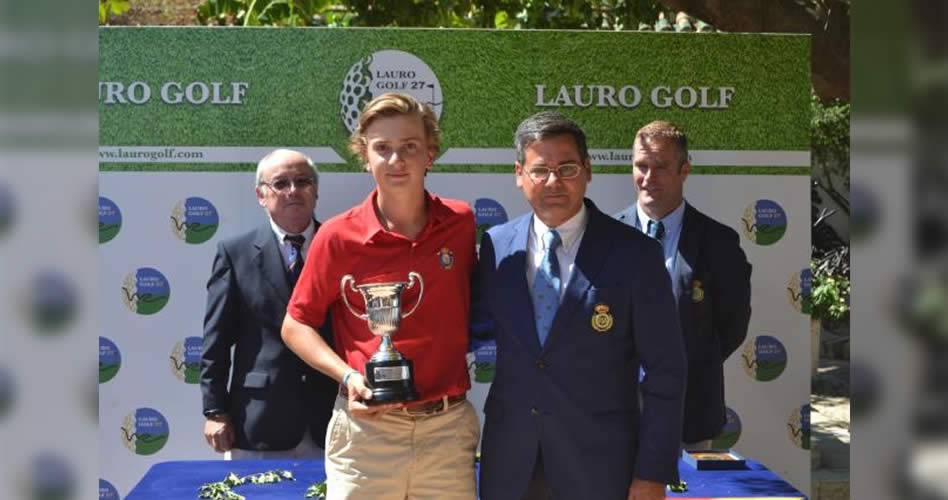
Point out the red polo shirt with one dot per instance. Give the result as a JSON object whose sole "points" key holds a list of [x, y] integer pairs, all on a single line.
{"points": [[435, 336]]}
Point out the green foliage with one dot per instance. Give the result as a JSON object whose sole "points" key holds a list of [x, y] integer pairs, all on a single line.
{"points": [[110, 8], [317, 490], [829, 134], [263, 12], [830, 288], [679, 487], [831, 297], [495, 14], [222, 490]]}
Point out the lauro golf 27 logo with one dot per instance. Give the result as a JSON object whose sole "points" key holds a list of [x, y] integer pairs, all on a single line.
{"points": [[186, 360], [110, 219], [110, 360], [487, 214], [485, 361], [52, 302], [764, 358], [146, 291], [730, 433], [194, 220], [6, 209], [387, 71], [799, 289], [764, 222], [6, 392], [107, 491], [798, 426], [145, 431], [48, 476]]}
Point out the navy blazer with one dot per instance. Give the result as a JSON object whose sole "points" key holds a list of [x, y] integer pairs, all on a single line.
{"points": [[714, 311], [273, 396], [575, 397]]}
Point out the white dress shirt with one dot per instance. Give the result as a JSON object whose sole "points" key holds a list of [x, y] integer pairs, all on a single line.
{"points": [[571, 234], [285, 246]]}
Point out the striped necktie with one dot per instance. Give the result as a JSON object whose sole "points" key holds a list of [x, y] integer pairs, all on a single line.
{"points": [[656, 229], [296, 255]]}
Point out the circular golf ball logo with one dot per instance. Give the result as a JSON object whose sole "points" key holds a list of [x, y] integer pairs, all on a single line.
{"points": [[110, 360], [194, 220], [798, 427], [799, 291], [866, 213], [145, 431], [7, 211], [52, 302], [110, 219], [145, 291], [764, 358], [6, 392], [107, 491], [387, 71], [186, 360], [487, 214], [764, 222], [485, 361], [730, 433], [51, 477]]}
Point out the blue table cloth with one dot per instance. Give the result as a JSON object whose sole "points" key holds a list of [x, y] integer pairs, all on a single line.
{"points": [[182, 480]]}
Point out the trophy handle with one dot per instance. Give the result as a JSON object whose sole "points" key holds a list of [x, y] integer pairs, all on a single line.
{"points": [[342, 291], [412, 278]]}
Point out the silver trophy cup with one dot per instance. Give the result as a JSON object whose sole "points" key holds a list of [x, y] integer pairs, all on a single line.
{"points": [[388, 373]]}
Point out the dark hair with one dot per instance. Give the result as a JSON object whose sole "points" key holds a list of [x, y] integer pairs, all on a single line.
{"points": [[544, 125]]}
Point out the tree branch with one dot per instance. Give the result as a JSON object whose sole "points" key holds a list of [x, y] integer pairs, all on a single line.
{"points": [[826, 20]]}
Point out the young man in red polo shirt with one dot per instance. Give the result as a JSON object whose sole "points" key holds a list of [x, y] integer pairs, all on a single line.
{"points": [[422, 449]]}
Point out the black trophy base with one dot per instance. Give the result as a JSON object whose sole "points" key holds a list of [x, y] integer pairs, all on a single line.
{"points": [[391, 381]]}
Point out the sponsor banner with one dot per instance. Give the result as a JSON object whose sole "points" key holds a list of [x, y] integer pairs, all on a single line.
{"points": [[699, 158], [453, 156], [752, 112], [205, 154]]}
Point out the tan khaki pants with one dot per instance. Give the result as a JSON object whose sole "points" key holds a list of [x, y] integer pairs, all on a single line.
{"points": [[398, 456]]}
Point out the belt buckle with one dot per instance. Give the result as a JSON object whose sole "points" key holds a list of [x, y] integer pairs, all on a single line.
{"points": [[430, 408]]}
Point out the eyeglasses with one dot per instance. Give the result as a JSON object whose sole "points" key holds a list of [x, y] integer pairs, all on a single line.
{"points": [[283, 185], [564, 171]]}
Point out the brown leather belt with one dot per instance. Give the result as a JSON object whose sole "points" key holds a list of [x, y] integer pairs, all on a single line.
{"points": [[427, 408]]}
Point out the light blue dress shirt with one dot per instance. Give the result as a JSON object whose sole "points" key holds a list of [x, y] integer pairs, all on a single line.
{"points": [[672, 223]]}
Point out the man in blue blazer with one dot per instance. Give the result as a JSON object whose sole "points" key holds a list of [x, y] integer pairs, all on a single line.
{"points": [[575, 300], [710, 273], [264, 402]]}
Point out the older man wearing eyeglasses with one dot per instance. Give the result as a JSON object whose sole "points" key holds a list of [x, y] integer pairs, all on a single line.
{"points": [[576, 301], [275, 406]]}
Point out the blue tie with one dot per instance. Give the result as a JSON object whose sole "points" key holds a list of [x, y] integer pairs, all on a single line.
{"points": [[656, 229], [546, 286]]}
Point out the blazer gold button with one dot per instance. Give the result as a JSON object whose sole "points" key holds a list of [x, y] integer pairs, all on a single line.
{"points": [[534, 411], [541, 364]]}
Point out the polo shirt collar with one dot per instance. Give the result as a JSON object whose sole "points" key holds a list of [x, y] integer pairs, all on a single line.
{"points": [[437, 212]]}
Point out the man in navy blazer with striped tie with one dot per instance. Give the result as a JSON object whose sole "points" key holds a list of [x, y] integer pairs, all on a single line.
{"points": [[575, 301]]}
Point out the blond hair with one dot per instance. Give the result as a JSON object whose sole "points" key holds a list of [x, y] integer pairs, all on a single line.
{"points": [[667, 130], [393, 104]]}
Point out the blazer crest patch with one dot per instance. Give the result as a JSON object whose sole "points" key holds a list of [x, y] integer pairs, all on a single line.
{"points": [[697, 293], [446, 258], [602, 320]]}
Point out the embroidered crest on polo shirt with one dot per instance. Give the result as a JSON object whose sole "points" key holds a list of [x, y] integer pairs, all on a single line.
{"points": [[602, 321], [446, 258]]}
